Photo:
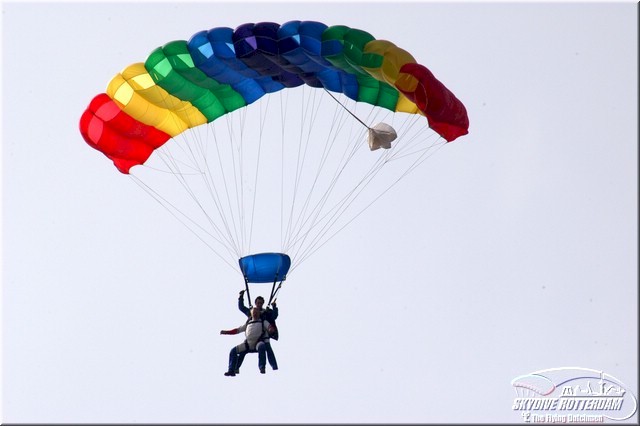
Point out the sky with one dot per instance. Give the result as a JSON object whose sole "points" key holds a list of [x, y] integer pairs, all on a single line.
{"points": [[512, 250]]}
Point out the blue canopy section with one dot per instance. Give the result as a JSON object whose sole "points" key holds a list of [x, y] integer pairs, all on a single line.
{"points": [[265, 267], [212, 52], [255, 59]]}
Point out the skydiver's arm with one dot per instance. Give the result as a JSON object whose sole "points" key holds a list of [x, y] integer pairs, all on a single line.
{"points": [[236, 330], [241, 306], [274, 310]]}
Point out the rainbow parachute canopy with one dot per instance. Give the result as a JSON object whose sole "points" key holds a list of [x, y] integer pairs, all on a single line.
{"points": [[186, 84]]}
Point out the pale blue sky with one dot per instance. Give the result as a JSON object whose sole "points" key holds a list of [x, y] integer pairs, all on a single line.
{"points": [[513, 249]]}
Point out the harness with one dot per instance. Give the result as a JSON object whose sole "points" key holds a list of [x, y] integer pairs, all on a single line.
{"points": [[262, 338]]}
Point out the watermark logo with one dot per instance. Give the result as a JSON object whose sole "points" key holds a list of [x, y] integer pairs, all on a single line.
{"points": [[572, 395]]}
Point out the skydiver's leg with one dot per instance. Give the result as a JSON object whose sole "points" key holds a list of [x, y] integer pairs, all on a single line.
{"points": [[261, 347], [233, 361], [234, 354], [271, 356], [241, 356]]}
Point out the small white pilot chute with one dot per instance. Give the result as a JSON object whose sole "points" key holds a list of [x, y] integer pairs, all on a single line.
{"points": [[380, 136]]}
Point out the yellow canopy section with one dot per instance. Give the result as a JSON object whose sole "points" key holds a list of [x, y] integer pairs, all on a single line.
{"points": [[138, 96], [393, 58]]}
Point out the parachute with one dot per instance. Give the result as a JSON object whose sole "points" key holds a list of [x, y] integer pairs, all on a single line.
{"points": [[190, 107]]}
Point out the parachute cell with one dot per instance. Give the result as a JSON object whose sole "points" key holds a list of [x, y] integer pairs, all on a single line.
{"points": [[126, 141]]}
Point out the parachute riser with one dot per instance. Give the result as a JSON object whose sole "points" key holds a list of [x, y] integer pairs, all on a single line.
{"points": [[274, 290], [272, 295], [246, 287]]}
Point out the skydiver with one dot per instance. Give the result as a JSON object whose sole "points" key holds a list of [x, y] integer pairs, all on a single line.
{"points": [[256, 338], [268, 314]]}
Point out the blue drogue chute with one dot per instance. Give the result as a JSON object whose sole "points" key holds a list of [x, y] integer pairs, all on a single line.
{"points": [[265, 268]]}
